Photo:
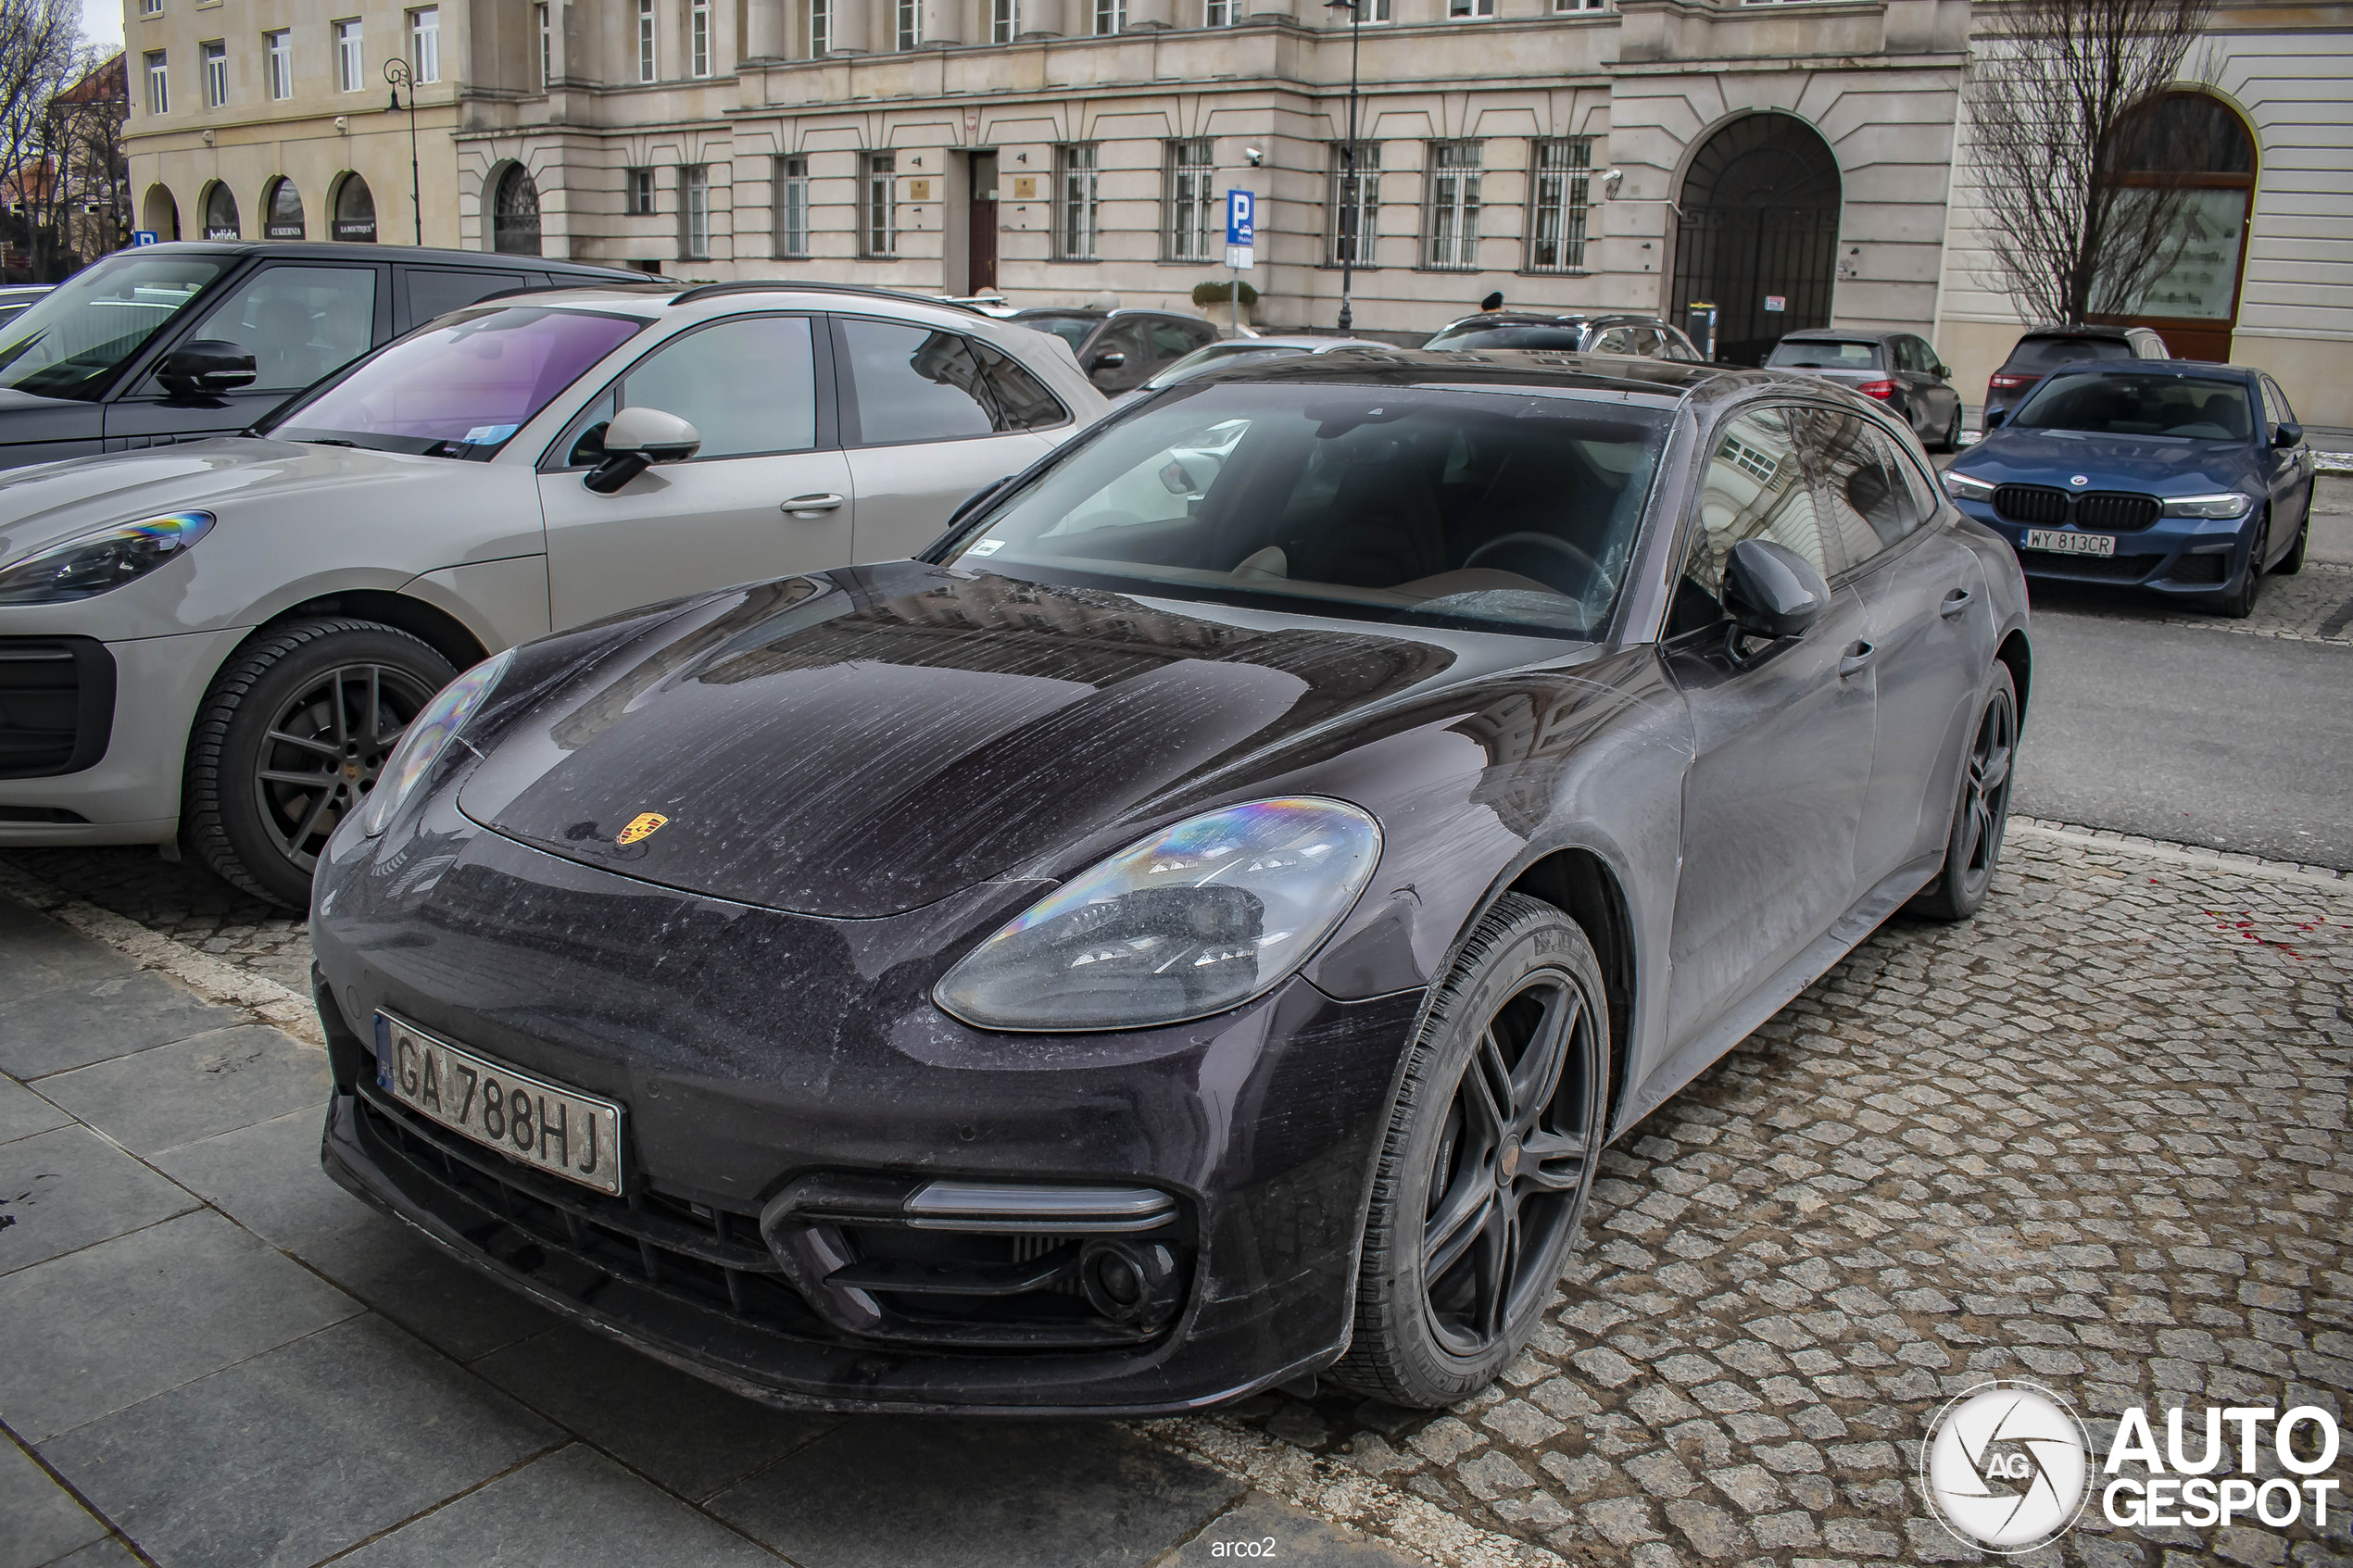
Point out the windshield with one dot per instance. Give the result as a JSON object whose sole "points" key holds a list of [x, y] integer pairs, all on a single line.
{"points": [[1072, 330], [1491, 511], [1569, 335], [462, 386], [1821, 355], [2105, 403], [72, 341], [2035, 355]]}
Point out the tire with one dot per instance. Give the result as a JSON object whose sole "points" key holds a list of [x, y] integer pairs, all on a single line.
{"points": [[1973, 844], [1952, 441], [286, 705], [2239, 603], [1493, 1196], [2293, 562]]}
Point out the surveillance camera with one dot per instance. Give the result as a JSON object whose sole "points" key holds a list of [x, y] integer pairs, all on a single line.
{"points": [[1255, 157]]}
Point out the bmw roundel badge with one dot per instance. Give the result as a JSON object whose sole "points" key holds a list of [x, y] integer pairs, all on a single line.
{"points": [[2080, 479]]}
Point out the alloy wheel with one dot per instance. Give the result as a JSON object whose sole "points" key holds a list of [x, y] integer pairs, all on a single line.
{"points": [[1985, 792], [1510, 1163], [324, 748]]}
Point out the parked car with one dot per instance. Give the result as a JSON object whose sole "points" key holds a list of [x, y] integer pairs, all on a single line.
{"points": [[179, 342], [1573, 332], [1899, 368], [1120, 349], [1226, 350], [2043, 349], [17, 299], [221, 642], [2185, 479], [1201, 923]]}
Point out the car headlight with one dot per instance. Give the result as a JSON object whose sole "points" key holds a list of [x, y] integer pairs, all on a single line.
{"points": [[427, 736], [96, 562], [1200, 916], [1963, 487], [2226, 506]]}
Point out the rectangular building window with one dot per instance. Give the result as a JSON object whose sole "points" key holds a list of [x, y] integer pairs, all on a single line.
{"points": [[279, 48], [216, 73], [1559, 195], [1375, 11], [351, 58], [693, 211], [425, 43], [699, 37], [911, 22], [151, 7], [1355, 204], [645, 60], [637, 192], [820, 28], [1076, 202], [1458, 10], [1111, 15], [879, 234], [792, 207], [1564, 7], [1221, 13], [1004, 20], [547, 46], [1192, 200], [1450, 226], [158, 88]]}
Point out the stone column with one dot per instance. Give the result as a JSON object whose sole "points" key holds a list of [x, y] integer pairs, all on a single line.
{"points": [[1152, 16], [857, 24], [765, 37]]}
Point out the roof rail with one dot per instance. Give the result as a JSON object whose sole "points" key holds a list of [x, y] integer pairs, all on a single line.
{"points": [[781, 286]]}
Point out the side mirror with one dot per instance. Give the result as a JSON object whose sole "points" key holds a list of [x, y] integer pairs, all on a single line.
{"points": [[1995, 418], [1771, 590], [1944, 373], [1111, 361], [206, 368], [2290, 434], [635, 440]]}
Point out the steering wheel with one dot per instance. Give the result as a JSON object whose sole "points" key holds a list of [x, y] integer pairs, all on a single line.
{"points": [[1591, 567]]}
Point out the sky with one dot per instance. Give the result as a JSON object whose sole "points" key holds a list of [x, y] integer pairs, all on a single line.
{"points": [[102, 22]]}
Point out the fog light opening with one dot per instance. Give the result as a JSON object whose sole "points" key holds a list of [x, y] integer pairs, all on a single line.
{"points": [[1128, 1284]]}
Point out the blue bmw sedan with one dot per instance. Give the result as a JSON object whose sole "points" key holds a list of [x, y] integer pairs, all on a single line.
{"points": [[2182, 478]]}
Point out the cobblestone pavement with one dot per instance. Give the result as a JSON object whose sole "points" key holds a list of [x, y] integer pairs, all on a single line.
{"points": [[2315, 605], [181, 900]]}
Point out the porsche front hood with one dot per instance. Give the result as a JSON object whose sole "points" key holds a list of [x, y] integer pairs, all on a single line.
{"points": [[871, 741]]}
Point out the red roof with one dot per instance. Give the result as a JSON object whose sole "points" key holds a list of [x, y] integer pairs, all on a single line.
{"points": [[107, 83]]}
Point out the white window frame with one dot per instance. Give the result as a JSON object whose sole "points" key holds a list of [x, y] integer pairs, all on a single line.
{"points": [[1110, 18], [425, 43], [698, 38], [1560, 201], [1368, 205], [907, 23], [1078, 208], [792, 207], [277, 54], [878, 211], [151, 7], [1190, 232], [1004, 20], [213, 56], [1449, 205], [638, 193], [1579, 8], [821, 29], [1469, 10], [158, 68], [649, 55], [546, 45], [1376, 12], [693, 211], [1220, 13], [351, 55]]}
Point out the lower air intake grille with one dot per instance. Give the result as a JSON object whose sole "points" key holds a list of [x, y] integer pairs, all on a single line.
{"points": [[56, 705]]}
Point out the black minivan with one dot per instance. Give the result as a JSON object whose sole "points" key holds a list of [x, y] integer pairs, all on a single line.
{"points": [[179, 342]]}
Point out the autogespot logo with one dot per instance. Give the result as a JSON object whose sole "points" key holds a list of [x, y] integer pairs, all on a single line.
{"points": [[2007, 1467]]}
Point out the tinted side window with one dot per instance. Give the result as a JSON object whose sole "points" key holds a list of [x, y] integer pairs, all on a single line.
{"points": [[1754, 488], [1120, 337], [747, 386], [299, 323], [1869, 505], [1170, 342], [908, 383], [433, 291], [2275, 401]]}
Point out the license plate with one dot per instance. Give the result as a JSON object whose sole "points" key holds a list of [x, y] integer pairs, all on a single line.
{"points": [[521, 1115], [2071, 544]]}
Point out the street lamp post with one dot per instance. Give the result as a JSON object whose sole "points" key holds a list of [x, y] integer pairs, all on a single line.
{"points": [[1351, 190], [397, 72]]}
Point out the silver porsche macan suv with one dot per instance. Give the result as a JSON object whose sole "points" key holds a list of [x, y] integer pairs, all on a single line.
{"points": [[217, 643]]}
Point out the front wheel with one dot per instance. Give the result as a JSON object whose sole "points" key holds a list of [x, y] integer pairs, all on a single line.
{"points": [[2239, 603], [1490, 1151], [2293, 562], [1974, 842]]}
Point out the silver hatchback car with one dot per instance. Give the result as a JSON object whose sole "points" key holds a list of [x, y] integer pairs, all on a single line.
{"points": [[220, 643]]}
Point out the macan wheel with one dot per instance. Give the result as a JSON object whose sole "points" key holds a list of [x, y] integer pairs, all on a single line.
{"points": [[290, 738], [1489, 1157], [1981, 813]]}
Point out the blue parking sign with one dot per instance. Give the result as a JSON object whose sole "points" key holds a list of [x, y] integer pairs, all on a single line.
{"points": [[146, 237], [1241, 218]]}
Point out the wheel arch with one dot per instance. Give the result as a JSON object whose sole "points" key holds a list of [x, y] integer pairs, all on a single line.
{"points": [[2015, 653], [1583, 886], [431, 625]]}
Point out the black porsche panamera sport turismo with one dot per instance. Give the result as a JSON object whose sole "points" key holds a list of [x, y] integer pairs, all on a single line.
{"points": [[1196, 926]]}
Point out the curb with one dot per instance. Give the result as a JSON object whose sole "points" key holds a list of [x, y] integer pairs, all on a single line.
{"points": [[2197, 855]]}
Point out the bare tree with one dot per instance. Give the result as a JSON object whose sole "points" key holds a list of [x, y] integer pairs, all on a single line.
{"points": [[37, 39], [89, 188], [2082, 207]]}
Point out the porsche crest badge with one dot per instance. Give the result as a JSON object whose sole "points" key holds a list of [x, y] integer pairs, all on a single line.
{"points": [[641, 827]]}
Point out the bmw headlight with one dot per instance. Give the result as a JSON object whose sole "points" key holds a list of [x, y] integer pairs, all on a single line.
{"points": [[96, 562], [1200, 916], [1965, 487], [427, 736], [2230, 504]]}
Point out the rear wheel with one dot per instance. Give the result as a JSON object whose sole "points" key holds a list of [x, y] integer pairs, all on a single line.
{"points": [[1952, 441], [1973, 844], [1490, 1151], [289, 741]]}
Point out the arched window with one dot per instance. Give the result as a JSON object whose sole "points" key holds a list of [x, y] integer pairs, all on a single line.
{"points": [[355, 211], [221, 213], [1758, 233], [281, 210], [159, 212], [514, 213], [2189, 160]]}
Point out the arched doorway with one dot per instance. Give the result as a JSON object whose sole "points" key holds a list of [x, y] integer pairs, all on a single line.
{"points": [[355, 209], [1758, 233], [159, 213], [281, 210], [220, 212], [514, 213], [2191, 149]]}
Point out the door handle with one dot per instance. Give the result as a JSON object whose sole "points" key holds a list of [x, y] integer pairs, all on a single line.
{"points": [[1855, 661], [810, 506], [1955, 602]]}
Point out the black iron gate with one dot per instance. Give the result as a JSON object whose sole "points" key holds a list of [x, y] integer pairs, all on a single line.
{"points": [[1756, 235]]}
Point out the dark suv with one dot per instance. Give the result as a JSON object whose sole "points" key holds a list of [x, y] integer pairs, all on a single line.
{"points": [[1119, 349], [179, 342], [2045, 349], [1646, 337]]}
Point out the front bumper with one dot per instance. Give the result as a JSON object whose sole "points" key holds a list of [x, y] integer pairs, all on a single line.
{"points": [[756, 1065], [2189, 557]]}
